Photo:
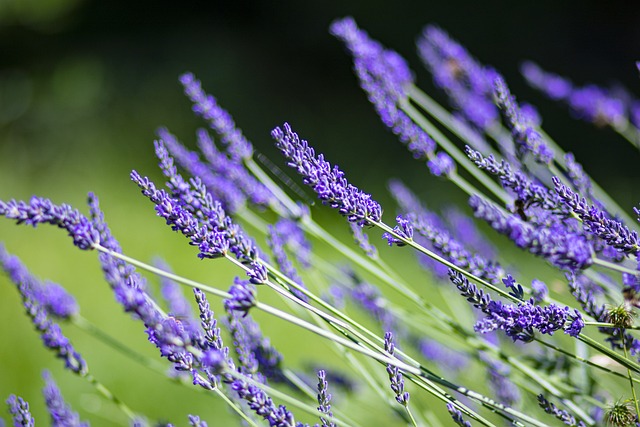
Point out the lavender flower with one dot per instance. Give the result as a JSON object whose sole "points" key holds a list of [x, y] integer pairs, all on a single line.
{"points": [[519, 321], [528, 140], [499, 379], [457, 416], [395, 376], [50, 332], [441, 165], [62, 415], [218, 182], [206, 106], [590, 103], [403, 229], [596, 222], [539, 290], [257, 400], [243, 296], [208, 322], [562, 415], [54, 298], [383, 75], [527, 192], [294, 239], [468, 84], [193, 212], [562, 247], [171, 291], [362, 239], [19, 409], [42, 211], [195, 421], [324, 399], [449, 359], [329, 183], [463, 228], [276, 242]]}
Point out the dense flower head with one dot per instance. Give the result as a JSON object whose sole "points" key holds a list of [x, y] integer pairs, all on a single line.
{"points": [[324, 399], [597, 222], [528, 192], [43, 211], [468, 84], [243, 296], [384, 75], [206, 106], [50, 332], [557, 243], [191, 210], [62, 415], [19, 409], [329, 183], [590, 103], [528, 140], [562, 415], [520, 321], [457, 416], [395, 376], [441, 164], [218, 182]]}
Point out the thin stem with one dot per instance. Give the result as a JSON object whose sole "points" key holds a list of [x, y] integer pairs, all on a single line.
{"points": [[102, 389], [454, 151], [614, 266], [612, 354]]}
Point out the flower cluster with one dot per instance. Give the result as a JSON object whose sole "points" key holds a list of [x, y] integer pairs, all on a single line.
{"points": [[517, 180]]}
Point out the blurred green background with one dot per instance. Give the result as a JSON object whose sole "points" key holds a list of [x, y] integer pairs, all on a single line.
{"points": [[84, 85]]}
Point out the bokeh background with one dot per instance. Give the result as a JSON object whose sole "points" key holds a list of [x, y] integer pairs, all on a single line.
{"points": [[84, 84]]}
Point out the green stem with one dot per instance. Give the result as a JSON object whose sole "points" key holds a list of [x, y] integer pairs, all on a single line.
{"points": [[614, 266], [454, 151], [111, 397], [612, 354]]}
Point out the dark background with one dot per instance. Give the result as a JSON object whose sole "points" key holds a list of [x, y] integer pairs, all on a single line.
{"points": [[96, 78]]}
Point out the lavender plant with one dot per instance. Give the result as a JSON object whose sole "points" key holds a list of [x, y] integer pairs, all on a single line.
{"points": [[468, 342]]}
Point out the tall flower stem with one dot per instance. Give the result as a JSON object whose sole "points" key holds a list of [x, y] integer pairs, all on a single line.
{"points": [[613, 266]]}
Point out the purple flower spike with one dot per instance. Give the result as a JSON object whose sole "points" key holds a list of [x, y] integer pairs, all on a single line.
{"points": [[329, 183], [522, 131], [395, 376], [519, 321], [598, 223], [42, 211], [558, 244], [243, 297], [539, 290], [206, 106], [468, 83], [62, 415], [562, 415], [54, 298], [403, 229], [362, 239], [195, 421], [383, 75], [324, 399], [276, 242], [19, 409], [217, 182], [591, 103], [441, 165], [50, 332], [295, 240], [457, 416]]}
